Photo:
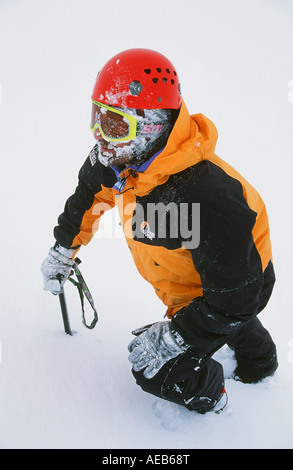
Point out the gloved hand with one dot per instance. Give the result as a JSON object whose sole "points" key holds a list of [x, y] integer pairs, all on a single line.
{"points": [[56, 268], [155, 345]]}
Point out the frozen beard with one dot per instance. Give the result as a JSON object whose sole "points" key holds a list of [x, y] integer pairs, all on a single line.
{"points": [[153, 129]]}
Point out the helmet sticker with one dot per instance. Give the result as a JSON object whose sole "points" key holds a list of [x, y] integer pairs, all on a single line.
{"points": [[135, 87]]}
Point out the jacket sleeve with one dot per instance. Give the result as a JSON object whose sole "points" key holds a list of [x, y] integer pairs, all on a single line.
{"points": [[227, 260], [82, 211]]}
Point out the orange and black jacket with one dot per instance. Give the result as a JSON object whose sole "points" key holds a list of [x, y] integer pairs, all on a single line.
{"points": [[208, 289]]}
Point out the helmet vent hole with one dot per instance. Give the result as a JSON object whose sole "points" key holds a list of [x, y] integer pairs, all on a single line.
{"points": [[168, 70], [174, 73], [148, 71], [172, 81], [165, 80], [158, 69], [155, 80]]}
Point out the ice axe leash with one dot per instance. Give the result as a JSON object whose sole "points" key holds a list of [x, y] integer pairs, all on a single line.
{"points": [[84, 292]]}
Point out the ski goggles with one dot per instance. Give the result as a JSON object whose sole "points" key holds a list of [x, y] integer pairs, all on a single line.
{"points": [[113, 124]]}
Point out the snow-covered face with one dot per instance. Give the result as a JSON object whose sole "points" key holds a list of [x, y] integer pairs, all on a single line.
{"points": [[153, 130]]}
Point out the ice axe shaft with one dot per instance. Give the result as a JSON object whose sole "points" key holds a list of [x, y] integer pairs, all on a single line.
{"points": [[64, 313], [54, 285]]}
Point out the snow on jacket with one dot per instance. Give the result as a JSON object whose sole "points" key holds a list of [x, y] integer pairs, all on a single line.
{"points": [[219, 281]]}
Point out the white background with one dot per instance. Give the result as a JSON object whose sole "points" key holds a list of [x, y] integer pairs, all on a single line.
{"points": [[234, 60]]}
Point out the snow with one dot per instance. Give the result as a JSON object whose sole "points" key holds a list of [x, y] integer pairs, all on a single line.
{"points": [[233, 60]]}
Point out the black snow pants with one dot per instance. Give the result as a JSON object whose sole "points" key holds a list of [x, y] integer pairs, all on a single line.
{"points": [[198, 383]]}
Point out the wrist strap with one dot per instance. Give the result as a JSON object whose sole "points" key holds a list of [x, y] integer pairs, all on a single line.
{"points": [[83, 291]]}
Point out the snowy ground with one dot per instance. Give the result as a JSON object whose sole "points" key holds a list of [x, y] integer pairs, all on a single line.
{"points": [[235, 63]]}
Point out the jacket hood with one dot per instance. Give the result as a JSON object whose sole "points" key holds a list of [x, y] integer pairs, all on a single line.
{"points": [[193, 138]]}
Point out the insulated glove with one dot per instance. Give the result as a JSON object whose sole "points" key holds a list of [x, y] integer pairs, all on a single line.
{"points": [[56, 268], [155, 345]]}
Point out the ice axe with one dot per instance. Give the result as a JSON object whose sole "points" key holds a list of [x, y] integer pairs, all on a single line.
{"points": [[64, 311], [52, 285], [83, 291]]}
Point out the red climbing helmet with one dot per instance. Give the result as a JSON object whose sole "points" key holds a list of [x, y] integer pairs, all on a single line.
{"points": [[140, 79]]}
